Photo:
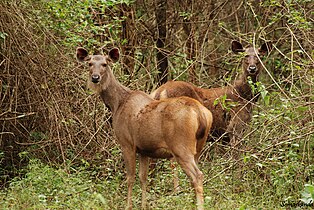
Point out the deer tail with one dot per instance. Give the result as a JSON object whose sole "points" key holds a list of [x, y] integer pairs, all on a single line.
{"points": [[204, 123]]}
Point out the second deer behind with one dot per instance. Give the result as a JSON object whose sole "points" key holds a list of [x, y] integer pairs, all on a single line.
{"points": [[232, 121]]}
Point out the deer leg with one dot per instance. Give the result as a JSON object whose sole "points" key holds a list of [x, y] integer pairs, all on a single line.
{"points": [[232, 130], [235, 131], [189, 166], [237, 126], [144, 162], [199, 147], [233, 140], [130, 164], [175, 175]]}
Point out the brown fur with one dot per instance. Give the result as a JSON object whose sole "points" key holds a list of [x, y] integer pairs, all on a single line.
{"points": [[167, 128], [234, 121]]}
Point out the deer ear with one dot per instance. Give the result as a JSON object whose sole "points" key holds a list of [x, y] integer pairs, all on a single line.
{"points": [[237, 47], [81, 54], [114, 54], [265, 48]]}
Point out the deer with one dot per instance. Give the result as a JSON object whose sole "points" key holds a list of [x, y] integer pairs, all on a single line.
{"points": [[168, 128], [231, 120]]}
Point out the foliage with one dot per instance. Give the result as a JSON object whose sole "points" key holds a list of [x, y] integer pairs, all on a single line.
{"points": [[225, 103], [92, 24], [46, 187]]}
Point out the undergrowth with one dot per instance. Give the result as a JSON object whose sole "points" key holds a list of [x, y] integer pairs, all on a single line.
{"points": [[245, 183]]}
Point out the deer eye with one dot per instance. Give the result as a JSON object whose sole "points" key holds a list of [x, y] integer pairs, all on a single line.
{"points": [[90, 64], [104, 64]]}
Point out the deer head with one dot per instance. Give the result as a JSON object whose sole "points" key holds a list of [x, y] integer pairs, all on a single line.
{"points": [[251, 63], [99, 67]]}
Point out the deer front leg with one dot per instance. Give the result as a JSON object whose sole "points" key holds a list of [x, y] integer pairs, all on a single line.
{"points": [[130, 164], [232, 129], [235, 131], [236, 127], [144, 162], [233, 134]]}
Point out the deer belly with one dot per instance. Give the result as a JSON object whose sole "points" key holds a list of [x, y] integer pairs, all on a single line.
{"points": [[155, 152]]}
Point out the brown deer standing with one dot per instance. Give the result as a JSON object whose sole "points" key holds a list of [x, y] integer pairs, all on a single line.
{"points": [[234, 120], [176, 127]]}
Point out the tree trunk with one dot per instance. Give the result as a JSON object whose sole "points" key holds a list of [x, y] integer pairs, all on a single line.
{"points": [[162, 60], [190, 48], [128, 39], [189, 29], [212, 57]]}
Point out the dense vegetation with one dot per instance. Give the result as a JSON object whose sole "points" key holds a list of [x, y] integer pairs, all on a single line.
{"points": [[57, 148]]}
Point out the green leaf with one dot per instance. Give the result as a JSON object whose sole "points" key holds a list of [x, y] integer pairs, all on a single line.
{"points": [[3, 35], [307, 195], [303, 108], [216, 101], [101, 198], [246, 158]]}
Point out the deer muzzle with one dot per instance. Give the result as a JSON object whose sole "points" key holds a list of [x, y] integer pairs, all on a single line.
{"points": [[252, 69], [95, 78]]}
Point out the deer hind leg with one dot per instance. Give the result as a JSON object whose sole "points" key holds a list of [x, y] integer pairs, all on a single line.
{"points": [[188, 164], [130, 164], [175, 175], [199, 147], [144, 162]]}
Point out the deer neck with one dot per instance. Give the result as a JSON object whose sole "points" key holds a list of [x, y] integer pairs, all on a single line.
{"points": [[114, 94], [243, 88]]}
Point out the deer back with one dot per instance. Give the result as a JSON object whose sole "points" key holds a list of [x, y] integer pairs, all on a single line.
{"points": [[158, 127]]}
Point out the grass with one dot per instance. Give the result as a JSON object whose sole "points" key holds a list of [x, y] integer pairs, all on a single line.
{"points": [[238, 187]]}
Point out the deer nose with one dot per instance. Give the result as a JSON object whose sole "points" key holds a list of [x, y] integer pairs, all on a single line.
{"points": [[252, 69], [95, 78]]}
